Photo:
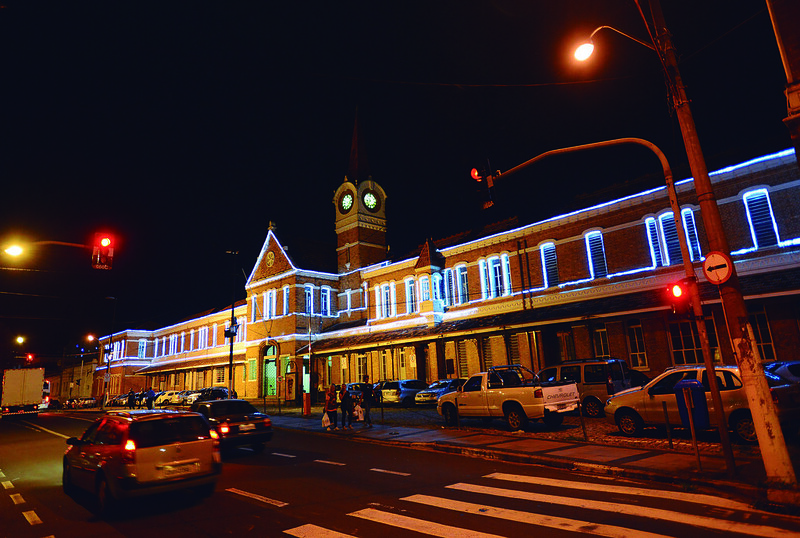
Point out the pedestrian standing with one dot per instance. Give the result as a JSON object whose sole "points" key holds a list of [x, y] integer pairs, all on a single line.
{"points": [[131, 399], [347, 407], [151, 395], [367, 397], [331, 405]]}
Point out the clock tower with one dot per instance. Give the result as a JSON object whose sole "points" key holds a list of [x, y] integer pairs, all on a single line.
{"points": [[360, 214]]}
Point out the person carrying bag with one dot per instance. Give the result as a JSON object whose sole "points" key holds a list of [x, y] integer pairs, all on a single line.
{"points": [[347, 408], [330, 407]]}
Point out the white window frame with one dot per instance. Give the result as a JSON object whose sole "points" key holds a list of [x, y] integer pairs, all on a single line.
{"points": [[462, 282], [424, 288], [411, 296], [325, 300], [595, 256], [308, 291], [140, 353], [755, 233], [286, 300], [549, 258]]}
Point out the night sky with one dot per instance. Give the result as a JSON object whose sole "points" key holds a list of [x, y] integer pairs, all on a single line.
{"points": [[186, 127]]}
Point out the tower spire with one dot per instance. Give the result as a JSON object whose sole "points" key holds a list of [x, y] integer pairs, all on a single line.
{"points": [[358, 169]]}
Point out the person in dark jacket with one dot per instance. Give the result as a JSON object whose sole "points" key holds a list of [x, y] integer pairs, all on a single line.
{"points": [[347, 408], [367, 400], [150, 396], [131, 399], [331, 406]]}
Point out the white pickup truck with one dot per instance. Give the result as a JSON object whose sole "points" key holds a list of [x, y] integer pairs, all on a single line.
{"points": [[513, 392]]}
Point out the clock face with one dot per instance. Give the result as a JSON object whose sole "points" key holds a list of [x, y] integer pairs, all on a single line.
{"points": [[370, 201], [270, 258], [347, 202]]}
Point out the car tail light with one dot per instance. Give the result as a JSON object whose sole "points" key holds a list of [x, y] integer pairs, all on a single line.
{"points": [[129, 451], [538, 393], [224, 429], [267, 422]]}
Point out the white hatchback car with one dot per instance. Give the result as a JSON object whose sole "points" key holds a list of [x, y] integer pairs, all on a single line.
{"points": [[126, 454]]}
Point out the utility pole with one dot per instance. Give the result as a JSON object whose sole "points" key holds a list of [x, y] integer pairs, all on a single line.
{"points": [[774, 454]]}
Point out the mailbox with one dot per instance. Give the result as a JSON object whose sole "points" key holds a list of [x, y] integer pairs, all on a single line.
{"points": [[693, 391]]}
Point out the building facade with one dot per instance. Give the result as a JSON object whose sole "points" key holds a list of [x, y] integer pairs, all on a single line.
{"points": [[588, 284]]}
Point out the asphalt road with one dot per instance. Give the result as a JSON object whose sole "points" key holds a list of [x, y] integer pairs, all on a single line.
{"points": [[308, 484]]}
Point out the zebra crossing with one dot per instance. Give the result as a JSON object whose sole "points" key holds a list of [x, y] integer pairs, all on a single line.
{"points": [[528, 504]]}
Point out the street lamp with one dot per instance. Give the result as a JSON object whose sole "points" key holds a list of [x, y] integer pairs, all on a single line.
{"points": [[774, 454]]}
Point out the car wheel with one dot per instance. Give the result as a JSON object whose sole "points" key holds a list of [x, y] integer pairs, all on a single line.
{"points": [[106, 503], [449, 414], [629, 423], [516, 418], [592, 408], [553, 420], [66, 479], [743, 428]]}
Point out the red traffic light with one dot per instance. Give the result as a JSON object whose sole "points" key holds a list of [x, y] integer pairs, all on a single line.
{"points": [[677, 291], [476, 174], [678, 296], [29, 357], [103, 251]]}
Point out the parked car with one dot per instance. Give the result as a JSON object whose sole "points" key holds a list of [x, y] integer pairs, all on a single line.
{"points": [[402, 392], [212, 393], [126, 454], [189, 397], [635, 408], [355, 390], [49, 403], [789, 370], [165, 397], [87, 402], [597, 379], [436, 389], [237, 422]]}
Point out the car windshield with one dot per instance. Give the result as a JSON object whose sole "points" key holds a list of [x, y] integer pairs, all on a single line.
{"points": [[438, 385]]}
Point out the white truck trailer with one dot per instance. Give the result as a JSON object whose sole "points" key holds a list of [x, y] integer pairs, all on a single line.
{"points": [[22, 391]]}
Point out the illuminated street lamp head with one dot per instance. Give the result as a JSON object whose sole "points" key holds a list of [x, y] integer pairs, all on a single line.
{"points": [[583, 52], [20, 339], [14, 250]]}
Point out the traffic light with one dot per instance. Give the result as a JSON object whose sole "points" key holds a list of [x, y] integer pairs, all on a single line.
{"points": [[679, 297], [103, 251], [485, 184], [29, 357]]}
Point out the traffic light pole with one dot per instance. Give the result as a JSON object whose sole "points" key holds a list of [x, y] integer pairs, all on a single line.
{"points": [[687, 264]]}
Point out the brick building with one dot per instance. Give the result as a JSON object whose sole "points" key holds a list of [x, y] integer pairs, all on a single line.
{"points": [[590, 283]]}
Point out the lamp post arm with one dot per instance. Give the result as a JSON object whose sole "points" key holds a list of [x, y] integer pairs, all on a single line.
{"points": [[648, 45]]}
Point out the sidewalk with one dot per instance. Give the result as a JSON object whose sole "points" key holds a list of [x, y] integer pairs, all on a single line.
{"points": [[627, 458]]}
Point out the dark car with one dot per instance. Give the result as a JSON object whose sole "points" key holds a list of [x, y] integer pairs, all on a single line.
{"points": [[212, 393], [237, 422], [126, 454]]}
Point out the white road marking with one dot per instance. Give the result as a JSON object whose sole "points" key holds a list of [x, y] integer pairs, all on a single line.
{"points": [[7, 484], [329, 462], [39, 428], [398, 473], [640, 511], [560, 523], [257, 497], [2, 475], [32, 518], [17, 498], [312, 531], [283, 455], [419, 525], [717, 502]]}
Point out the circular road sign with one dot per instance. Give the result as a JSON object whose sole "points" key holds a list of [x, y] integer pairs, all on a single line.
{"points": [[717, 267]]}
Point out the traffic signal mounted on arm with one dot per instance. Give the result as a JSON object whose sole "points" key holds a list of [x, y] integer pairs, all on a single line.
{"points": [[678, 294], [485, 184], [103, 251]]}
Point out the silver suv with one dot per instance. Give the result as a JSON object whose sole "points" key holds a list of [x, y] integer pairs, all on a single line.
{"points": [[126, 454], [597, 379]]}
